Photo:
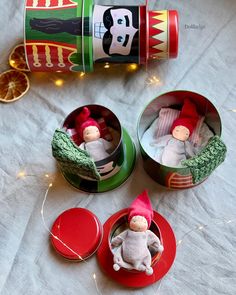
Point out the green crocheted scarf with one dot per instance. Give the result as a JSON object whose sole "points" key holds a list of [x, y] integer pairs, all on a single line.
{"points": [[210, 157], [71, 158]]}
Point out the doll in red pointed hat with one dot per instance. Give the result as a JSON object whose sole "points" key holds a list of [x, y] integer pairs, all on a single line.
{"points": [[133, 244], [89, 130], [175, 147]]}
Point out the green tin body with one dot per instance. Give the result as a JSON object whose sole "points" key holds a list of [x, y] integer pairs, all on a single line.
{"points": [[58, 35]]}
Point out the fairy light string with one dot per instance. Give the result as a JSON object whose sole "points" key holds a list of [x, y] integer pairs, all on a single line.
{"points": [[204, 226], [49, 231], [152, 80], [21, 175], [199, 228], [57, 238]]}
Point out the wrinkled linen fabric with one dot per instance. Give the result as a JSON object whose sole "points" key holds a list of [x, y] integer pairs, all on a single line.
{"points": [[206, 258]]}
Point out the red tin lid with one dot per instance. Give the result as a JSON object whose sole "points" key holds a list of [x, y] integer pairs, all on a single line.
{"points": [[77, 234]]}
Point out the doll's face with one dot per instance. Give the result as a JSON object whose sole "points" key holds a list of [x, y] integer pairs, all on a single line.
{"points": [[181, 133], [91, 133], [138, 223]]}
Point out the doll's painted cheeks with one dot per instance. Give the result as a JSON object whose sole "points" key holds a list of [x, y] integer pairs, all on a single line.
{"points": [[181, 133]]}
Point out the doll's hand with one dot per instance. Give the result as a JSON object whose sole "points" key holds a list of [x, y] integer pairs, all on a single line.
{"points": [[158, 247], [161, 248], [116, 242]]}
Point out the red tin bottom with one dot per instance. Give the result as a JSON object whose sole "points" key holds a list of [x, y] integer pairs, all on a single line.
{"points": [[137, 279]]}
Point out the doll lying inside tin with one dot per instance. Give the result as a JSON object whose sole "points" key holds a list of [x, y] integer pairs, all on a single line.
{"points": [[89, 130], [187, 135], [173, 148], [89, 145], [133, 245]]}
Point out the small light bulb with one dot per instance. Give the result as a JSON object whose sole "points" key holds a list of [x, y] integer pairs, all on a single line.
{"points": [[132, 67], [12, 62], [107, 66], [21, 174], [82, 74], [153, 80], [59, 82], [156, 79], [179, 242]]}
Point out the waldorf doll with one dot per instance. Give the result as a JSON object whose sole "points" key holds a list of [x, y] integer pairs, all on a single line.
{"points": [[175, 147], [89, 130], [133, 244]]}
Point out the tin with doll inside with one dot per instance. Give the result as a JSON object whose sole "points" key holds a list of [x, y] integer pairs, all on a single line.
{"points": [[93, 151], [179, 135]]}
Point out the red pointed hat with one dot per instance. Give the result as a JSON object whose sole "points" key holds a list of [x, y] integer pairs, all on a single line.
{"points": [[141, 206], [83, 120], [188, 116]]}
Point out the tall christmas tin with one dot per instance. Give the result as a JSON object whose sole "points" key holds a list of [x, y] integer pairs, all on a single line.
{"points": [[72, 35], [154, 133]]}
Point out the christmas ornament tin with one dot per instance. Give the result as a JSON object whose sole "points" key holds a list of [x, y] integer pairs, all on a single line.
{"points": [[72, 35], [202, 153], [94, 153]]}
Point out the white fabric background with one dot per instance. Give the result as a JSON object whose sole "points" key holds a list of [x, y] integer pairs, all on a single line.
{"points": [[205, 262]]}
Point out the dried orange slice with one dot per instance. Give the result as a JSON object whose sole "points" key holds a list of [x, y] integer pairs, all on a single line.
{"points": [[17, 59], [13, 85]]}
